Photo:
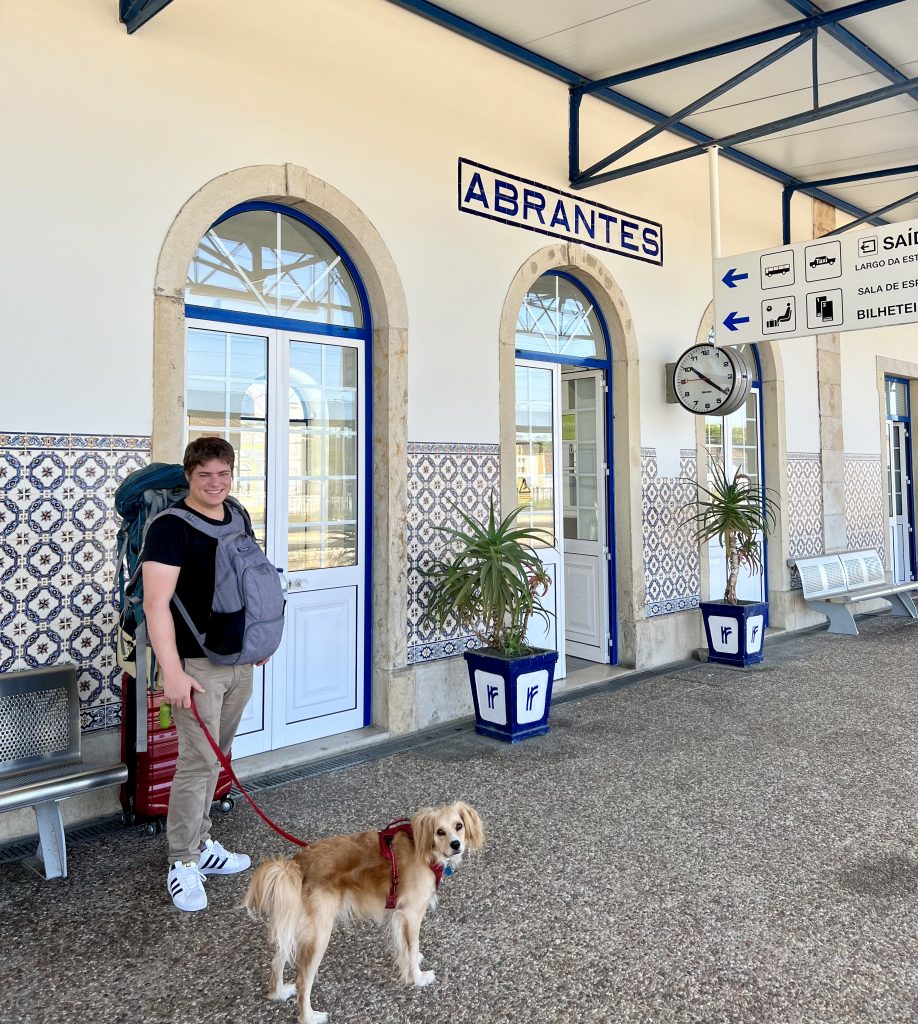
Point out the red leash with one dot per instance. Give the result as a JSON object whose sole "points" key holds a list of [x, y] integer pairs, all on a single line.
{"points": [[225, 763]]}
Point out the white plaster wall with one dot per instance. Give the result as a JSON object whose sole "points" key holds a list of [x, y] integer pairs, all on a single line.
{"points": [[111, 134], [863, 426]]}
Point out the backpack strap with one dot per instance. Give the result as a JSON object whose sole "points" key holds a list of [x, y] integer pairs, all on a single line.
{"points": [[236, 525]]}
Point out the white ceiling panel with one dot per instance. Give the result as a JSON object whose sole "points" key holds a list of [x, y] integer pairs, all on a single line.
{"points": [[598, 38]]}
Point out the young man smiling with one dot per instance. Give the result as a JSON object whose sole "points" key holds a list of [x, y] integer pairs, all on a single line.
{"points": [[179, 560]]}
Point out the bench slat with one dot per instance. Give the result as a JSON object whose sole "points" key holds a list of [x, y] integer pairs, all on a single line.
{"points": [[822, 576], [863, 568], [25, 793]]}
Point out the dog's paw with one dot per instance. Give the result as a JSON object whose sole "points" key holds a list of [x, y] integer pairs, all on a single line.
{"points": [[284, 993], [314, 1017], [424, 978]]}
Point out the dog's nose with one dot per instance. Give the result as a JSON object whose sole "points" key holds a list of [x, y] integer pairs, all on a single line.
{"points": [[455, 844]]}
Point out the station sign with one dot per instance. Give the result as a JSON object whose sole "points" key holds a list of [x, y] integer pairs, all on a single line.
{"points": [[498, 195], [846, 282]]}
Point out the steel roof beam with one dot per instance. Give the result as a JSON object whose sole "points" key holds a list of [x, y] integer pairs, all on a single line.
{"points": [[822, 19], [854, 43], [877, 213], [690, 108], [749, 134], [500, 44], [134, 13]]}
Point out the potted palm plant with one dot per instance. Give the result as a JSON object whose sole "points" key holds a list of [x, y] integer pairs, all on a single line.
{"points": [[490, 580], [737, 512]]}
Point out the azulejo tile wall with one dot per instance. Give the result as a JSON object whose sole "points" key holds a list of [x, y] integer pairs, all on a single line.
{"points": [[867, 520], [804, 506], [57, 558], [441, 476], [672, 573]]}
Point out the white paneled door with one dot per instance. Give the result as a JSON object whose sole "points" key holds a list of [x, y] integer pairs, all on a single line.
{"points": [[295, 411], [900, 527], [585, 487]]}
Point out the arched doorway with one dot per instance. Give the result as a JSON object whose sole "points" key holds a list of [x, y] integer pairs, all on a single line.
{"points": [[277, 360], [563, 460]]}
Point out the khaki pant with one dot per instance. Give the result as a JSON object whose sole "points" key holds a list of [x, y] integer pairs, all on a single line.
{"points": [[227, 689]]}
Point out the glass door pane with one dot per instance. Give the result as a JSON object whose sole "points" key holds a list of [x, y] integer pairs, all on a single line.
{"points": [[322, 408], [227, 391], [535, 451], [581, 459]]}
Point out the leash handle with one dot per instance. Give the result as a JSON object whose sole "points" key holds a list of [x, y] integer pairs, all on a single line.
{"points": [[225, 764]]}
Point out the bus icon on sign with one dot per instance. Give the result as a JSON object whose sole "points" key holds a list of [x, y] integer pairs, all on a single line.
{"points": [[777, 269]]}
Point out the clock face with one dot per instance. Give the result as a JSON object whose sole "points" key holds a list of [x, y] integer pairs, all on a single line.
{"points": [[710, 381]]}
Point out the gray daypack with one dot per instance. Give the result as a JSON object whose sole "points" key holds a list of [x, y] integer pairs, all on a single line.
{"points": [[247, 614]]}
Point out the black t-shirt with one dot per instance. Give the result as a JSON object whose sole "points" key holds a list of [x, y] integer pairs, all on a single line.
{"points": [[172, 541]]}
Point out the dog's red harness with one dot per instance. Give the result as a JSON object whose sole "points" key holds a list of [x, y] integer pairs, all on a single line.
{"points": [[386, 848]]}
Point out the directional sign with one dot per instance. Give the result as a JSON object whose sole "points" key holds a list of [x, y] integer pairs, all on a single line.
{"points": [[846, 282]]}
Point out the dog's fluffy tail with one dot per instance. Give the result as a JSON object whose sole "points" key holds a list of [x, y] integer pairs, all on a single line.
{"points": [[275, 895]]}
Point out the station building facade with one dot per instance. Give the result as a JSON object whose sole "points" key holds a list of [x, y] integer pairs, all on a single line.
{"points": [[343, 238]]}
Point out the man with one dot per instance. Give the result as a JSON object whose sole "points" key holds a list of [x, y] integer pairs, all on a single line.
{"points": [[180, 560]]}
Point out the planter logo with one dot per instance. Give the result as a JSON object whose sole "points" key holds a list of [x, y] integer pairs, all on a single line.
{"points": [[531, 690], [725, 632], [491, 697]]}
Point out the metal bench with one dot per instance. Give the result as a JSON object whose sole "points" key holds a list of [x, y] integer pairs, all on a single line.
{"points": [[40, 761], [832, 583]]}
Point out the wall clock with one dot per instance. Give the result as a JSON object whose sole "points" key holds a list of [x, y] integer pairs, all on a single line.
{"points": [[711, 381]]}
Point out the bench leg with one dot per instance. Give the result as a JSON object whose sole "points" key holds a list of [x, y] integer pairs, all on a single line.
{"points": [[840, 618], [902, 605], [52, 847]]}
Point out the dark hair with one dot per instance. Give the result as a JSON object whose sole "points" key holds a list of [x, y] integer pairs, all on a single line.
{"points": [[204, 449]]}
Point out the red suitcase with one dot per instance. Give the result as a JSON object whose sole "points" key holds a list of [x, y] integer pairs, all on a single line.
{"points": [[145, 795]]}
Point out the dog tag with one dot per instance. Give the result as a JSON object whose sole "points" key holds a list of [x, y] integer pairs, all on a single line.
{"points": [[448, 870]]}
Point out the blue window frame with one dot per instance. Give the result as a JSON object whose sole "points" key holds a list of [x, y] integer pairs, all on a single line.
{"points": [[342, 311]]}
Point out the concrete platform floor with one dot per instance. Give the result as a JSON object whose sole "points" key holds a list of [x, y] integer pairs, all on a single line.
{"points": [[709, 846]]}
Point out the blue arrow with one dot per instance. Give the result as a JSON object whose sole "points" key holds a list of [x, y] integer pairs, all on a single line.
{"points": [[733, 319], [731, 277]]}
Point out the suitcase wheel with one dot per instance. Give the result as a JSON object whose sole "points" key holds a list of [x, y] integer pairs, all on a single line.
{"points": [[227, 803], [154, 827]]}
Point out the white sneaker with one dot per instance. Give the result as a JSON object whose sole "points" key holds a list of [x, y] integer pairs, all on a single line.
{"points": [[186, 886], [217, 861]]}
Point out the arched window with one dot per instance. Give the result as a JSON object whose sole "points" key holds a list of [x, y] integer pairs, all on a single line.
{"points": [[265, 262], [559, 318]]}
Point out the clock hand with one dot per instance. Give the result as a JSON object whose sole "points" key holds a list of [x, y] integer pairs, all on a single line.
{"points": [[708, 380]]}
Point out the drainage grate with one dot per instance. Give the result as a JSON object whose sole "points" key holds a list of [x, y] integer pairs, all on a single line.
{"points": [[77, 835]]}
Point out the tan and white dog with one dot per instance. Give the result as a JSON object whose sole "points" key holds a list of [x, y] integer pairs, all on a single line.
{"points": [[388, 877]]}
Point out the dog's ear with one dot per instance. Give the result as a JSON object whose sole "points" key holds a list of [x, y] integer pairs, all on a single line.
{"points": [[474, 830], [423, 828]]}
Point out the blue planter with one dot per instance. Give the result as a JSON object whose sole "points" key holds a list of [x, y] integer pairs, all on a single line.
{"points": [[512, 696], [735, 632]]}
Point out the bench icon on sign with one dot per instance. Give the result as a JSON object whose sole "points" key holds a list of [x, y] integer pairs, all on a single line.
{"points": [[780, 268]]}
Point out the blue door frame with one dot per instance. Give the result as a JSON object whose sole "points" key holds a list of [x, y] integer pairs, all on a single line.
{"points": [[605, 365], [228, 316]]}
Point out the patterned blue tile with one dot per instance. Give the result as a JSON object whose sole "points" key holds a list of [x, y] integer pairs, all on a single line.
{"points": [[442, 477], [57, 558], [672, 572]]}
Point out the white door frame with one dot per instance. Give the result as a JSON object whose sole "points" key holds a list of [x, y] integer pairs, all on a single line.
{"points": [[899, 518], [266, 723], [584, 552], [551, 634]]}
